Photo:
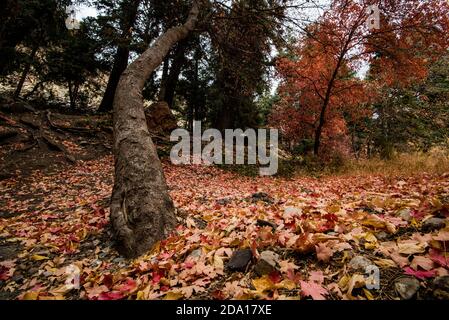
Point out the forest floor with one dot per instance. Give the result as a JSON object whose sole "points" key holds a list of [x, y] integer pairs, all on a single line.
{"points": [[238, 237]]}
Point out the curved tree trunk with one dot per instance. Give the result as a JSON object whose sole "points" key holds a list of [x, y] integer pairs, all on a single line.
{"points": [[142, 211]]}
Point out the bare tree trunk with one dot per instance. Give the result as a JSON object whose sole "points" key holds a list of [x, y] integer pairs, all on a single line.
{"points": [[167, 92], [25, 72], [142, 211]]}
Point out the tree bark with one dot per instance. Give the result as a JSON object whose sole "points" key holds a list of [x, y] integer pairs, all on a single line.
{"points": [[25, 72], [142, 211], [122, 55]]}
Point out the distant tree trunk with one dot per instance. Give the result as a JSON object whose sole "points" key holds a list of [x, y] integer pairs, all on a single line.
{"points": [[168, 88], [25, 72], [142, 211], [130, 9], [70, 94], [73, 93], [330, 87], [164, 78], [225, 118], [35, 88]]}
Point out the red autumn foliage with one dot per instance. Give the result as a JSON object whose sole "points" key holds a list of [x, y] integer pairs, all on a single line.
{"points": [[319, 90]]}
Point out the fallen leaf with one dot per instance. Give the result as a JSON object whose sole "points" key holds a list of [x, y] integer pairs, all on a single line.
{"points": [[420, 274], [313, 289]]}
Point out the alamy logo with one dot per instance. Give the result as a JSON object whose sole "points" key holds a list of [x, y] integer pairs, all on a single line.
{"points": [[73, 277], [373, 21], [71, 22], [372, 277], [258, 148]]}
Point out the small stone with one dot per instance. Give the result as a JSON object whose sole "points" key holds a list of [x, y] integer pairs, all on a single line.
{"points": [[381, 235], [264, 223], [240, 260], [261, 196], [267, 263], [441, 288], [200, 223], [433, 224], [406, 287], [224, 201], [17, 278], [360, 263], [291, 211], [405, 214], [33, 270], [195, 254], [42, 252], [88, 245]]}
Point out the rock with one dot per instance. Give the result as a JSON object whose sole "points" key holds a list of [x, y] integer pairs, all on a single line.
{"points": [[224, 201], [267, 263], [292, 211], [240, 260], [200, 223], [261, 196], [381, 236], [17, 278], [195, 254], [160, 119], [405, 214], [406, 287], [264, 223], [359, 263], [368, 209], [433, 224], [33, 270], [441, 288]]}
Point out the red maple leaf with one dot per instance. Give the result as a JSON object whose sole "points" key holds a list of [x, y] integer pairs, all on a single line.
{"points": [[420, 274], [313, 289], [113, 295]]}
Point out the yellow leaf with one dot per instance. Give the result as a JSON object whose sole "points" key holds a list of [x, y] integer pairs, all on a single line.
{"points": [[333, 208], [385, 263], [370, 245], [140, 295], [345, 257], [173, 295], [411, 247], [263, 284], [218, 262], [414, 223], [368, 294], [31, 295], [356, 281], [374, 222], [286, 284], [156, 248], [54, 297], [343, 282], [370, 240], [37, 257]]}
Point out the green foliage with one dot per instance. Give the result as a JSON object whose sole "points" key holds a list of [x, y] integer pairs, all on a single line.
{"points": [[408, 118]]}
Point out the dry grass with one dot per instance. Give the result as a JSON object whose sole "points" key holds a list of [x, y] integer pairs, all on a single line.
{"points": [[436, 161]]}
